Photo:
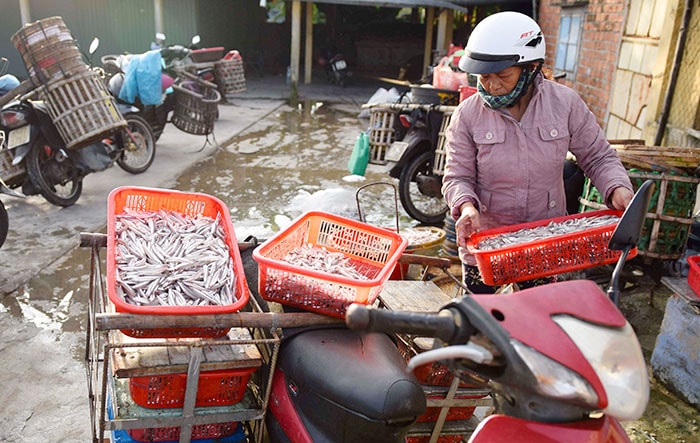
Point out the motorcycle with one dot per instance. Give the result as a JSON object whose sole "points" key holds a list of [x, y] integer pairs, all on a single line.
{"points": [[571, 378], [48, 168], [572, 382], [414, 160], [411, 160], [336, 65]]}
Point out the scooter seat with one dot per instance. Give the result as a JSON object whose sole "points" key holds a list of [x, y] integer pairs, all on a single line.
{"points": [[361, 372]]}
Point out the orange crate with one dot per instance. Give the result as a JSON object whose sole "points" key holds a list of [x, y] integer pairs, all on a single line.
{"points": [[172, 433], [545, 257], [694, 273], [373, 252], [188, 204], [214, 388]]}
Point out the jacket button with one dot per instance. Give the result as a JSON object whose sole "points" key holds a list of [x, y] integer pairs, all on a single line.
{"points": [[489, 136], [552, 204], [553, 133]]}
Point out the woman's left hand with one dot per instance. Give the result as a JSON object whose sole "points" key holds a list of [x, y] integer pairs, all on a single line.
{"points": [[621, 197]]}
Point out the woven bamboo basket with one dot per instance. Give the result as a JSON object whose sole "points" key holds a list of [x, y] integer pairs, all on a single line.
{"points": [[81, 108], [48, 50], [230, 76], [441, 149], [196, 107], [381, 133], [9, 173]]}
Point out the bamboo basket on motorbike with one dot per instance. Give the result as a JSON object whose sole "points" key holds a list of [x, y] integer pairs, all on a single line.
{"points": [[196, 106]]}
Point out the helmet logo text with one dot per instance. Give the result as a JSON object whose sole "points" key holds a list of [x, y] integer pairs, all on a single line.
{"points": [[526, 34]]}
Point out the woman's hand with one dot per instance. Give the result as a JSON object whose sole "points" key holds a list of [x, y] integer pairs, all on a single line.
{"points": [[467, 224], [621, 197]]}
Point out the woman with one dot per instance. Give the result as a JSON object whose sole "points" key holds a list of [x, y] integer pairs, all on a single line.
{"points": [[507, 145]]}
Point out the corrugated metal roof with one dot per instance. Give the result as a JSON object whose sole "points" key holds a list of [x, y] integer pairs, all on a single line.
{"points": [[458, 5]]}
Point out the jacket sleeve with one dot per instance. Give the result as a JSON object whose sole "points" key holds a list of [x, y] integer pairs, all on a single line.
{"points": [[593, 152], [459, 180]]}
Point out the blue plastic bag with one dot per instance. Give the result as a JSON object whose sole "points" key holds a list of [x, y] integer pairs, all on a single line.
{"points": [[142, 79]]}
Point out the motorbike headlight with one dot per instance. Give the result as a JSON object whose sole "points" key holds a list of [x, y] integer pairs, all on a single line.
{"points": [[555, 380], [617, 359], [12, 119]]}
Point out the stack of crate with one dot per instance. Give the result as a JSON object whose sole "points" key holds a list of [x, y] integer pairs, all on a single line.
{"points": [[150, 379]]}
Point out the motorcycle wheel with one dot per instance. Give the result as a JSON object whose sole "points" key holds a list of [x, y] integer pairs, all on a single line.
{"points": [[139, 149], [57, 181], [4, 223], [428, 209]]}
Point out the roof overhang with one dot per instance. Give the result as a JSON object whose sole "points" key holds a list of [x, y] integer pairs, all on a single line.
{"points": [[457, 5]]}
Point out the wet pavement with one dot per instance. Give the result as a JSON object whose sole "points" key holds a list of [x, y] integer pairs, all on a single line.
{"points": [[274, 161]]}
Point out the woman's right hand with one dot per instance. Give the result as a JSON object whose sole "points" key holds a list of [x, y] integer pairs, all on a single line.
{"points": [[467, 224]]}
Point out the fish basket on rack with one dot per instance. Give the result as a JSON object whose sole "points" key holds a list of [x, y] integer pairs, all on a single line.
{"points": [[369, 251], [196, 106], [441, 149], [545, 255], [381, 133], [670, 213], [81, 108], [48, 50], [147, 204], [230, 76]]}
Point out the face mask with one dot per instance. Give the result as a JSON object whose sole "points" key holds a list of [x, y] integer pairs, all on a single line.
{"points": [[508, 100]]}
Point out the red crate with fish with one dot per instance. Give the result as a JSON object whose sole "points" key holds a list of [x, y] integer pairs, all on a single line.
{"points": [[546, 247], [172, 253], [323, 263]]}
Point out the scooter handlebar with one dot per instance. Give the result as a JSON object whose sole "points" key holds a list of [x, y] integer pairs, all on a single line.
{"points": [[441, 325]]}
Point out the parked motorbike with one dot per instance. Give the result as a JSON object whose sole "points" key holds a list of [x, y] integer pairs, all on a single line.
{"points": [[4, 189], [336, 66], [35, 145], [411, 160], [571, 378]]}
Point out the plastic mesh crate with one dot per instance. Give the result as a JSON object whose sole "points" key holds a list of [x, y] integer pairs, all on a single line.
{"points": [[372, 251], [694, 273], [214, 388], [199, 432], [190, 205], [545, 257]]}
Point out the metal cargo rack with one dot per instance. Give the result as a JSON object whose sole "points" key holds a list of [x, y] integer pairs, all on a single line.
{"points": [[110, 408]]}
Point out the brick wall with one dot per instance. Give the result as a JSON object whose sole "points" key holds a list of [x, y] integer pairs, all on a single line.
{"points": [[602, 31]]}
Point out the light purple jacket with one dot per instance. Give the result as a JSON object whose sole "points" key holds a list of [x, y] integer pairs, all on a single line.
{"points": [[513, 171]]}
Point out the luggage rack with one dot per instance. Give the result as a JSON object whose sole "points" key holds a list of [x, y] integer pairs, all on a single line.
{"points": [[111, 410]]}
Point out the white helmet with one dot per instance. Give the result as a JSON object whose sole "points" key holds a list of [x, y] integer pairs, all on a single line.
{"points": [[502, 40]]}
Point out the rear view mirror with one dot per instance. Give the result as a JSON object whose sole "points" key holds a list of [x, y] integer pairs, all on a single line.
{"points": [[629, 228]]}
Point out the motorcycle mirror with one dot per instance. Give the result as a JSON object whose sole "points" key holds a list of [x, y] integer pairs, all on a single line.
{"points": [[160, 36], [629, 228], [3, 69], [196, 39], [94, 45]]}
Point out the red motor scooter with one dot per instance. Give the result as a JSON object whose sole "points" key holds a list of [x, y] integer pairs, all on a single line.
{"points": [[562, 362]]}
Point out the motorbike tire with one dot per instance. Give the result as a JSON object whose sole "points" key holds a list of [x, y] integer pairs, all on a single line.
{"points": [[58, 182], [426, 209], [138, 153], [4, 224]]}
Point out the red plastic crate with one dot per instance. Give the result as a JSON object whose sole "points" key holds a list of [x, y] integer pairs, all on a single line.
{"points": [[545, 257], [440, 439], [373, 251], [694, 273], [199, 432], [189, 204], [205, 55], [214, 388]]}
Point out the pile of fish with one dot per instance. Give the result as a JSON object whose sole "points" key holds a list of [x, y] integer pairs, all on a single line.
{"points": [[552, 229], [168, 258], [321, 260]]}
